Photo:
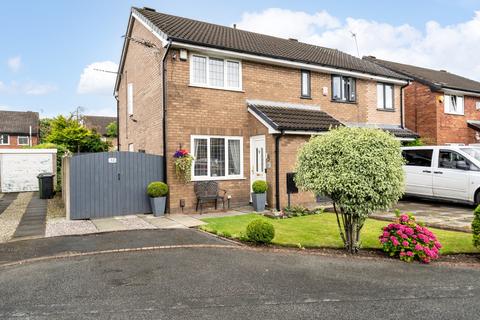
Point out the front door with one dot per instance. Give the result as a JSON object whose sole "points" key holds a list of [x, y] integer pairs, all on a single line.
{"points": [[258, 158]]}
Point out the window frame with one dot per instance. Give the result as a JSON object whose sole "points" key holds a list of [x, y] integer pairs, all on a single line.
{"points": [[309, 84], [8, 140], [225, 73], [130, 88], [384, 102], [445, 107], [208, 177], [432, 156], [23, 144], [343, 82], [467, 161]]}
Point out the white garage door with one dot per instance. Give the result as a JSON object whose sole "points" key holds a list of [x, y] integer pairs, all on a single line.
{"points": [[18, 171]]}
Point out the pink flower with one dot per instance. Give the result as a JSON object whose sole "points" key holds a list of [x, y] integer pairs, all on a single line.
{"points": [[403, 218], [402, 254], [409, 231], [418, 247], [386, 233], [405, 243], [395, 242], [410, 253]]}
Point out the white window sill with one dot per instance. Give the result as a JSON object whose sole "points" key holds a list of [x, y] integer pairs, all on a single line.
{"points": [[455, 114], [215, 88], [195, 179]]}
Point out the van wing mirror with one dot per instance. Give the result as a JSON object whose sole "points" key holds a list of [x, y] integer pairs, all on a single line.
{"points": [[462, 165]]}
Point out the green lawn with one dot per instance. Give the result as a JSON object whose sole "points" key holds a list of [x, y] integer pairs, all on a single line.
{"points": [[317, 231]]}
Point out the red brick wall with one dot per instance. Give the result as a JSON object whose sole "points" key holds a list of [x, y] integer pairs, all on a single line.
{"points": [[424, 114], [14, 143]]}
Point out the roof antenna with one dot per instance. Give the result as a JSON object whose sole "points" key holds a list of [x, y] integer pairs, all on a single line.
{"points": [[354, 35]]}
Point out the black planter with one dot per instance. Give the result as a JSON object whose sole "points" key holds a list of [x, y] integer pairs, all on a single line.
{"points": [[158, 206], [258, 201]]}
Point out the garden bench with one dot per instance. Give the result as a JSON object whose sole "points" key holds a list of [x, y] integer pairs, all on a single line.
{"points": [[208, 191]]}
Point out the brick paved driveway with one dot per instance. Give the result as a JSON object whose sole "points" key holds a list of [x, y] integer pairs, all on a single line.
{"points": [[435, 214]]}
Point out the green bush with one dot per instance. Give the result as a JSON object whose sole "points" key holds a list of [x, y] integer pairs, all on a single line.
{"points": [[476, 227], [61, 150], [260, 231], [157, 189], [259, 186]]}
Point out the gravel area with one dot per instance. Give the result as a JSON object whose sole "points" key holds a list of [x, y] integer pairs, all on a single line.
{"points": [[133, 222], [10, 218], [62, 227]]}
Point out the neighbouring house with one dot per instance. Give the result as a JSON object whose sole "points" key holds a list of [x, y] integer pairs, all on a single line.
{"points": [[18, 129], [242, 103], [99, 124], [440, 106]]}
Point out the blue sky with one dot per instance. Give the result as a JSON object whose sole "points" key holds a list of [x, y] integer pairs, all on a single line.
{"points": [[46, 45]]}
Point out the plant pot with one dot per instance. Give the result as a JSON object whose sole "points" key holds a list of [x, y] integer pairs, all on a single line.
{"points": [[258, 201], [158, 206]]}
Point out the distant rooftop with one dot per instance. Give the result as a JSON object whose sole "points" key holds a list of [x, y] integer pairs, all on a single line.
{"points": [[19, 122]]}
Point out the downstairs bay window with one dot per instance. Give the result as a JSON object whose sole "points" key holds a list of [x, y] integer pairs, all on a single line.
{"points": [[217, 158]]}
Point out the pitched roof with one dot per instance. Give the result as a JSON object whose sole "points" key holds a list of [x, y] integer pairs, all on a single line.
{"points": [[221, 37], [98, 123], [293, 117], [438, 79], [19, 122]]}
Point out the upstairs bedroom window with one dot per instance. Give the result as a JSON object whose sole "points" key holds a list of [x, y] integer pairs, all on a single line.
{"points": [[385, 96], [217, 158], [215, 72], [453, 104], [343, 89]]}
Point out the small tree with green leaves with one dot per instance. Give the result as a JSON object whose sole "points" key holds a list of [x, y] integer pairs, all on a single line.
{"points": [[68, 132], [360, 169], [112, 130]]}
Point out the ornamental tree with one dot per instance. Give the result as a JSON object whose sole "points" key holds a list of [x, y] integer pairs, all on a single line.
{"points": [[360, 169]]}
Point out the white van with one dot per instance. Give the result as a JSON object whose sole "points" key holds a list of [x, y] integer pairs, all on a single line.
{"points": [[443, 172]]}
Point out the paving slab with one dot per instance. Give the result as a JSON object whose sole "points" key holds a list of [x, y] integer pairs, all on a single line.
{"points": [[185, 220], [33, 220], [6, 199], [108, 224], [163, 222]]}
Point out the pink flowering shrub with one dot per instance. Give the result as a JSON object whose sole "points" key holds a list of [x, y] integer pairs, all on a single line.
{"points": [[409, 241]]}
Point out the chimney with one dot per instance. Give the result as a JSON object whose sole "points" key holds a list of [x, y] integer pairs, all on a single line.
{"points": [[443, 70], [234, 26], [149, 9], [293, 39]]}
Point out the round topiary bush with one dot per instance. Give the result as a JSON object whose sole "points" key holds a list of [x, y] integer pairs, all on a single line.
{"points": [[260, 231], [157, 189], [259, 186], [409, 241], [476, 227]]}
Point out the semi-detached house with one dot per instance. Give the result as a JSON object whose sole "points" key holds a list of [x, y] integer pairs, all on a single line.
{"points": [[242, 103]]}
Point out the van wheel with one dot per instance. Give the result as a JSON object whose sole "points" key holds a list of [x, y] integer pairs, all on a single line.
{"points": [[477, 197]]}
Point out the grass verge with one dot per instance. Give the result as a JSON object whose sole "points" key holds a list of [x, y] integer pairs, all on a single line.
{"points": [[321, 231]]}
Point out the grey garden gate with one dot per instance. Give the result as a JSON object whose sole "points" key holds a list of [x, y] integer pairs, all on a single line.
{"points": [[109, 184]]}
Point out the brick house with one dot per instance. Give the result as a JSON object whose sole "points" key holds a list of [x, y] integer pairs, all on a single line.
{"points": [[440, 106], [18, 129], [242, 103], [99, 124]]}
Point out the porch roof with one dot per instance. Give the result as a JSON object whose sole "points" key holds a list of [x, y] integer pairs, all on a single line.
{"points": [[309, 119], [474, 124]]}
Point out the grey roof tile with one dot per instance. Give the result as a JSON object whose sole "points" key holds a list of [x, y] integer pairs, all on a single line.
{"points": [[19, 122]]}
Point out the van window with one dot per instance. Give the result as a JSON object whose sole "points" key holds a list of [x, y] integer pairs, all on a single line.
{"points": [[419, 158], [448, 159]]}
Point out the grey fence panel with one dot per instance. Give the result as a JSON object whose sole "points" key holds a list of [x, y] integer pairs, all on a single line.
{"points": [[110, 184]]}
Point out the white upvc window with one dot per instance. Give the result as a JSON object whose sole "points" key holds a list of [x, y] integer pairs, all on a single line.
{"points": [[217, 157], [453, 104], [215, 73], [385, 96], [130, 98], [131, 147], [23, 140], [4, 139]]}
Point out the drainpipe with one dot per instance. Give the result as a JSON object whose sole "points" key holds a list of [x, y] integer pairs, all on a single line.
{"points": [[164, 109], [118, 121], [277, 169], [402, 104]]}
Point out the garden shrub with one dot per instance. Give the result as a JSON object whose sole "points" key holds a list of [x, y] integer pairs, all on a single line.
{"points": [[157, 189], [409, 241], [476, 227], [259, 186], [296, 211], [360, 169], [260, 231]]}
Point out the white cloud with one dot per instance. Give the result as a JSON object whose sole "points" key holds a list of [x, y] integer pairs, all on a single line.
{"points": [[94, 81], [14, 63], [27, 88], [109, 111], [451, 47]]}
